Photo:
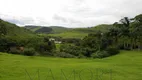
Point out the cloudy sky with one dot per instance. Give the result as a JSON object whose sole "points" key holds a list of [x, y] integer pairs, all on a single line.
{"points": [[68, 13]]}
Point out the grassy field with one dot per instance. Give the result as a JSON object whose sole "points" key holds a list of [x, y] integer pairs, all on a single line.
{"points": [[70, 34], [125, 66], [79, 32]]}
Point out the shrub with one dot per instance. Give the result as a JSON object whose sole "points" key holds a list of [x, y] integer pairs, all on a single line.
{"points": [[81, 56], [64, 55], [46, 53], [3, 48], [15, 52], [71, 49], [100, 54], [29, 52], [108, 52], [112, 51], [76, 50], [45, 47]]}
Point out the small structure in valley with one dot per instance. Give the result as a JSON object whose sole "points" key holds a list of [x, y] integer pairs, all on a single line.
{"points": [[56, 41]]}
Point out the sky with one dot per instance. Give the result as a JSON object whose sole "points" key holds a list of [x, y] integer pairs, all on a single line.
{"points": [[68, 13]]}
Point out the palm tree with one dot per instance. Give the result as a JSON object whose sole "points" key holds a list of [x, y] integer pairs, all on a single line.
{"points": [[125, 32]]}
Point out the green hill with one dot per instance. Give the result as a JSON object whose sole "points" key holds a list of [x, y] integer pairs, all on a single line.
{"points": [[32, 28], [12, 30], [82, 32], [58, 31], [47, 29], [44, 30], [124, 66]]}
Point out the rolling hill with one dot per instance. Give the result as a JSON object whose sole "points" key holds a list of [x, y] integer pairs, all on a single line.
{"points": [[82, 32], [12, 30], [32, 28], [47, 29], [58, 31]]}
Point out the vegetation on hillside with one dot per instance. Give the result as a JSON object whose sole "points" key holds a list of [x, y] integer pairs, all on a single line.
{"points": [[18, 40], [96, 42], [81, 32], [47, 29]]}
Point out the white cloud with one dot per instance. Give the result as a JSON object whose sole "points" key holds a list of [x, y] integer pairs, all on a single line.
{"points": [[68, 13]]}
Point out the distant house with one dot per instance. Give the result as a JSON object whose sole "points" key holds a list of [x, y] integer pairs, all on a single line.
{"points": [[56, 41], [51, 39]]}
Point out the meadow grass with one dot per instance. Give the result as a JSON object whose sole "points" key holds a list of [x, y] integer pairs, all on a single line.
{"points": [[70, 34], [125, 66]]}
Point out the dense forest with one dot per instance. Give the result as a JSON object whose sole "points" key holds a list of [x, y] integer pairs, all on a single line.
{"points": [[101, 41]]}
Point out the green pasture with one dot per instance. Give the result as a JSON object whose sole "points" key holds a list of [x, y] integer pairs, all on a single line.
{"points": [[125, 66]]}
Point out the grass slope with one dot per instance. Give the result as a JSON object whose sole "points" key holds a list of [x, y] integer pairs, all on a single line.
{"points": [[70, 34], [55, 29], [125, 66], [32, 28], [58, 29], [63, 32], [81, 32], [15, 31]]}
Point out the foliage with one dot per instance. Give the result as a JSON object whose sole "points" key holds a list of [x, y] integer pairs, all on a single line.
{"points": [[45, 47], [99, 41], [100, 54], [29, 52], [64, 55], [76, 50], [112, 51]]}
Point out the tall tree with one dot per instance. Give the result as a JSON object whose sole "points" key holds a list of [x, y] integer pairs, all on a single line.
{"points": [[125, 31], [138, 29]]}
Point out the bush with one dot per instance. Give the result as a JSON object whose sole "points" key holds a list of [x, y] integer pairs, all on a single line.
{"points": [[3, 48], [29, 52], [100, 54], [108, 52], [76, 50], [112, 51], [64, 55], [81, 56], [71, 49], [15, 52], [46, 53]]}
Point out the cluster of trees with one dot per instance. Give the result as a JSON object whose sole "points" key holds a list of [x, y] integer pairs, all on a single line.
{"points": [[123, 35], [17, 40]]}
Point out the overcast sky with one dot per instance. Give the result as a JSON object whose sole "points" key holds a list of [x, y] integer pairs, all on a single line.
{"points": [[68, 13]]}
